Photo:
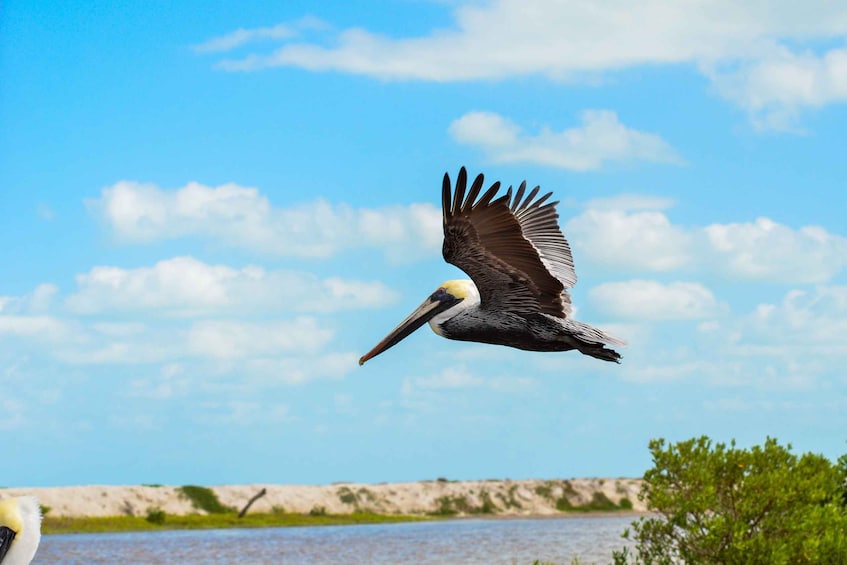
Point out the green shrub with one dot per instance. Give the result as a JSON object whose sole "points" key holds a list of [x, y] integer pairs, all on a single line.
{"points": [[365, 494], [204, 498], [317, 511], [600, 501], [488, 506], [347, 496], [544, 490], [445, 507], [719, 504], [155, 516], [563, 504]]}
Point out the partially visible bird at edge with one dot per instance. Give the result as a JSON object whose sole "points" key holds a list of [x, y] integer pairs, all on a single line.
{"points": [[521, 268], [20, 529]]}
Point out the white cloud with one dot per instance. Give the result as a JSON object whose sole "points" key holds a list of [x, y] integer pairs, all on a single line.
{"points": [[118, 329], [455, 378], [228, 339], [46, 327], [774, 88], [601, 138], [231, 345], [242, 217], [641, 240], [450, 377], [607, 233], [669, 372], [245, 413], [150, 347], [652, 300], [246, 342], [45, 212], [811, 321], [298, 369], [766, 250], [186, 286], [797, 343], [11, 414], [37, 301], [762, 43], [170, 383], [243, 36], [511, 37]]}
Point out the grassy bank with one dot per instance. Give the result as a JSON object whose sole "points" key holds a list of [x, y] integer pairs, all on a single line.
{"points": [[198, 507], [65, 525]]}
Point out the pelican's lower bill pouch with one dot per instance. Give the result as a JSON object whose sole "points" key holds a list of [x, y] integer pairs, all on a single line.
{"points": [[7, 535]]}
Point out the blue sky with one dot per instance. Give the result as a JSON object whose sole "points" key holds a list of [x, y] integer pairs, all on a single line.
{"points": [[211, 210]]}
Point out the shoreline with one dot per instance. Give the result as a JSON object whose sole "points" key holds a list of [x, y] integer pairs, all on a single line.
{"points": [[489, 498], [128, 524]]}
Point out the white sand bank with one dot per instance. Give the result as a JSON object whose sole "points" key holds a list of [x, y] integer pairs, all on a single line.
{"points": [[526, 497]]}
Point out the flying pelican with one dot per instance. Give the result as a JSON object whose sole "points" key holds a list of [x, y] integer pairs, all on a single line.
{"points": [[521, 267], [20, 529]]}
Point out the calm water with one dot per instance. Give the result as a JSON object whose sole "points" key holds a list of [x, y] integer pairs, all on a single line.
{"points": [[504, 541]]}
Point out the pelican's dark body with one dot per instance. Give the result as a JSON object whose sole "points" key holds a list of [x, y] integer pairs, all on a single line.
{"points": [[530, 331]]}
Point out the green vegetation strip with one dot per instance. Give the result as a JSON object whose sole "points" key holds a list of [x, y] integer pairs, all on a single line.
{"points": [[88, 525]]}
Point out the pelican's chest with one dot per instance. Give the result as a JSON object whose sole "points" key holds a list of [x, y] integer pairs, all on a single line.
{"points": [[481, 326]]}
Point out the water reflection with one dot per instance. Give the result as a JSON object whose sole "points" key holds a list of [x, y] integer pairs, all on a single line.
{"points": [[505, 541]]}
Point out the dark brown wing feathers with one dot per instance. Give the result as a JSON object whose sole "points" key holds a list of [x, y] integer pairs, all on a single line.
{"points": [[512, 248]]}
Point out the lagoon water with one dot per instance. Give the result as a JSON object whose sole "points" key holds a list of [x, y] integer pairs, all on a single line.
{"points": [[507, 541]]}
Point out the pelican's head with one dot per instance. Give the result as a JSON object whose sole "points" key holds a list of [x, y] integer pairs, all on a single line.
{"points": [[20, 529], [441, 305]]}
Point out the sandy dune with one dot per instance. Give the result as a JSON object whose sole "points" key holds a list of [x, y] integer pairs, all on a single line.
{"points": [[527, 497]]}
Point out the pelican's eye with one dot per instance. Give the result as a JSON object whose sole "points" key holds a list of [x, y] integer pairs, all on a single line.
{"points": [[441, 294]]}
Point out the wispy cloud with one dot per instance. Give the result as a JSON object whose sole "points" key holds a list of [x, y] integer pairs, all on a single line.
{"points": [[645, 240], [184, 286], [233, 339], [790, 344], [11, 414], [242, 36], [44, 328], [451, 377], [45, 212], [242, 217], [455, 378], [297, 369], [766, 250], [652, 300], [189, 318], [775, 88], [599, 139], [808, 322], [261, 353], [758, 55], [640, 240], [35, 302], [629, 233]]}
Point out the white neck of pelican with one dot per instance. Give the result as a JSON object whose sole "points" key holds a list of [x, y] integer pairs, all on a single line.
{"points": [[462, 288], [22, 515]]}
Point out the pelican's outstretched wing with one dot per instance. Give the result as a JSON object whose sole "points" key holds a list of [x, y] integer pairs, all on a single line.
{"points": [[513, 249]]}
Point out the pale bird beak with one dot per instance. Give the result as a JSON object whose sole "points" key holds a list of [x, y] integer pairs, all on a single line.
{"points": [[432, 306]]}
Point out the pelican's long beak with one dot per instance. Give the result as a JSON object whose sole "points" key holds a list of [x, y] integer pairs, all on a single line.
{"points": [[7, 536], [438, 302]]}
